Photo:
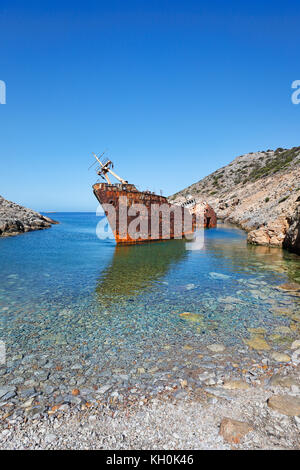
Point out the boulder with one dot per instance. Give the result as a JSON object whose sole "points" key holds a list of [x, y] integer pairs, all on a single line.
{"points": [[233, 431], [273, 234], [292, 237], [285, 404]]}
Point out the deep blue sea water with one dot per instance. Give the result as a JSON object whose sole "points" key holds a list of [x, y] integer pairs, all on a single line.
{"points": [[63, 290]]}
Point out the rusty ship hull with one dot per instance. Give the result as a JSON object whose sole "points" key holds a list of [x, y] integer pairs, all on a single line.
{"points": [[114, 195]]}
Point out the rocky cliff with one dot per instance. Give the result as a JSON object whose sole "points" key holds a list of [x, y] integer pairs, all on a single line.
{"points": [[258, 191], [292, 238], [15, 219]]}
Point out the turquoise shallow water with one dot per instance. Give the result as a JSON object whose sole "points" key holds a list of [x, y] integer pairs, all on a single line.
{"points": [[68, 296]]}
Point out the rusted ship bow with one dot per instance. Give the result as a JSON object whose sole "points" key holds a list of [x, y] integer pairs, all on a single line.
{"points": [[142, 216]]}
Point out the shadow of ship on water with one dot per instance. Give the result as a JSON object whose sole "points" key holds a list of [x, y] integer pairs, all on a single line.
{"points": [[135, 269]]}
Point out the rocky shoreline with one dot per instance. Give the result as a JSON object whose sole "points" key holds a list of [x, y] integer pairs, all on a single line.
{"points": [[259, 192], [16, 219]]}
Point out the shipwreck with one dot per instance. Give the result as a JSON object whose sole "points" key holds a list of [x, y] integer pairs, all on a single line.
{"points": [[143, 216]]}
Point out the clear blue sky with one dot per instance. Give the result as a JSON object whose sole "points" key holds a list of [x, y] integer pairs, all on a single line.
{"points": [[174, 89]]}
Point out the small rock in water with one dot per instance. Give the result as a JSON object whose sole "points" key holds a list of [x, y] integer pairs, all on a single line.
{"points": [[295, 344], [257, 342], [258, 331], [219, 276], [190, 286], [233, 431], [279, 357], [284, 330], [290, 286], [193, 317], [216, 347]]}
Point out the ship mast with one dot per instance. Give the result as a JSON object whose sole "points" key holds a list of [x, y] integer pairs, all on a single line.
{"points": [[106, 168]]}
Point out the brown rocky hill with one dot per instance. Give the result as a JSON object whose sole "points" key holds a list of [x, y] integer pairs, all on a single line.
{"points": [[258, 191], [15, 219]]}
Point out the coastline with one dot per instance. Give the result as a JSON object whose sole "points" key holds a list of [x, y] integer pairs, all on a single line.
{"points": [[16, 219], [260, 193]]}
